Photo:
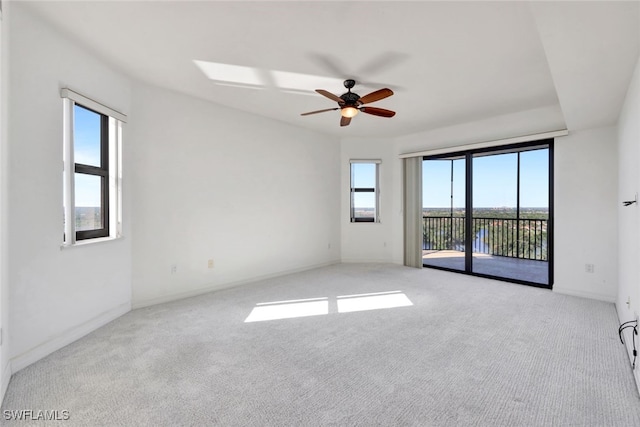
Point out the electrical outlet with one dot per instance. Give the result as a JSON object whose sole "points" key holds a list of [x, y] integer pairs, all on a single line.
{"points": [[174, 268], [210, 263], [589, 268]]}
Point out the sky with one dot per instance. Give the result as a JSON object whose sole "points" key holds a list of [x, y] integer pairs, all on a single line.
{"points": [[494, 180], [364, 176], [86, 134]]}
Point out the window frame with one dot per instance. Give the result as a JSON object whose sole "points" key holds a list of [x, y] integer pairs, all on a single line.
{"points": [[109, 171], [375, 190], [101, 171]]}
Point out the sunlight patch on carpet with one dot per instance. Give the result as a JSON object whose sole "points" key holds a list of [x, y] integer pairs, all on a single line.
{"points": [[373, 301], [288, 309]]}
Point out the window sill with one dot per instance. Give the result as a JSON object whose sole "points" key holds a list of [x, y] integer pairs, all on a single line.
{"points": [[89, 242]]}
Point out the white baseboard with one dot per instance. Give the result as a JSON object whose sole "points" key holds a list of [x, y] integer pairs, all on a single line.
{"points": [[6, 377], [583, 294], [220, 286], [36, 353]]}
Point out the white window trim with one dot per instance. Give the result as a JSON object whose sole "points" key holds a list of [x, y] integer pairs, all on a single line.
{"points": [[67, 93], [376, 213], [116, 119], [376, 161]]}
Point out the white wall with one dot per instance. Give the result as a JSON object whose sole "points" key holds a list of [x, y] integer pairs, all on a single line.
{"points": [[629, 217], [258, 197], [521, 123], [586, 205], [55, 295], [365, 241], [5, 366]]}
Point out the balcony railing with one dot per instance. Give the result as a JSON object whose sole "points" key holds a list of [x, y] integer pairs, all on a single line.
{"points": [[515, 238]]}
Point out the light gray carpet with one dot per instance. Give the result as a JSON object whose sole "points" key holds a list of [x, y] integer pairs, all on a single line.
{"points": [[468, 352]]}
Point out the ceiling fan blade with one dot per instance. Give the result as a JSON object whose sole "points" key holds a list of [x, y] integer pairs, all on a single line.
{"points": [[376, 96], [344, 121], [330, 96], [320, 111], [378, 111]]}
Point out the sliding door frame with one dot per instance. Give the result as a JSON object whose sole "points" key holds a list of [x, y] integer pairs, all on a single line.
{"points": [[468, 155]]}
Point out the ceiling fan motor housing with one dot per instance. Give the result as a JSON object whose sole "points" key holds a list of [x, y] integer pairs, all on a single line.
{"points": [[350, 98]]}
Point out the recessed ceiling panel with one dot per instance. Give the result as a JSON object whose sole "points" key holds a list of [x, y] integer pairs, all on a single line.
{"points": [[447, 62]]}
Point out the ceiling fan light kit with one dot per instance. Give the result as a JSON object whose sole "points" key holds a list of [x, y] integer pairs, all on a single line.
{"points": [[348, 112], [350, 103]]}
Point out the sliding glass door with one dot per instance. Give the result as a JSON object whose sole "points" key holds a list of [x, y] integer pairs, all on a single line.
{"points": [[443, 212], [488, 212]]}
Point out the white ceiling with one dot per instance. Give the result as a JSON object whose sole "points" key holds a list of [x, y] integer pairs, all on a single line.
{"points": [[448, 62]]}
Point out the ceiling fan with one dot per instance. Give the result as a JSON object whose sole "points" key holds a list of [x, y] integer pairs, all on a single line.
{"points": [[350, 103]]}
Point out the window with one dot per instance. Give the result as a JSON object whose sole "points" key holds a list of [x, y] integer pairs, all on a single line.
{"points": [[365, 190], [92, 138], [91, 173], [489, 212]]}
